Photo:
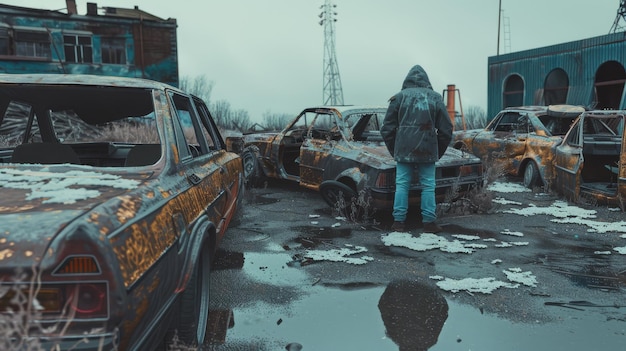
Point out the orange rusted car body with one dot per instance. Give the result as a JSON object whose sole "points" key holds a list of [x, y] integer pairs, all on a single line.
{"points": [[338, 151], [521, 141], [115, 194], [590, 163]]}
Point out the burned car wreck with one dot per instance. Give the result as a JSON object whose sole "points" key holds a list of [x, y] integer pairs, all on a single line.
{"points": [[338, 151], [116, 193], [590, 163], [521, 140]]}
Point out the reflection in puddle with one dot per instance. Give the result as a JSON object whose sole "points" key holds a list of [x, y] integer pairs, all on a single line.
{"points": [[257, 199], [324, 232], [273, 268], [336, 319], [413, 314], [586, 266]]}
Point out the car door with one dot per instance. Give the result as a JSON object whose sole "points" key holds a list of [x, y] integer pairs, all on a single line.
{"points": [[318, 145], [203, 177], [503, 141], [226, 164], [568, 162], [285, 148]]}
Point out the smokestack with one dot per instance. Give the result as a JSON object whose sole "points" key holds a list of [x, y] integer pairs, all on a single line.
{"points": [[71, 7], [92, 9], [451, 105]]}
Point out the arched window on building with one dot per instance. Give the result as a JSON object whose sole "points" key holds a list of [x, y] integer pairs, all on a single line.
{"points": [[513, 94], [609, 85], [555, 87]]}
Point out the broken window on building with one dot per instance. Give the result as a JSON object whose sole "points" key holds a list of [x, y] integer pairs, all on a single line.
{"points": [[32, 43], [78, 48], [113, 50]]}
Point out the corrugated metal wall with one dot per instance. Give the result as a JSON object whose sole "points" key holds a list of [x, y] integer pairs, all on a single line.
{"points": [[579, 59]]}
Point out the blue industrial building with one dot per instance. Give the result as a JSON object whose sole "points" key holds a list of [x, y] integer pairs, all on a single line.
{"points": [[105, 41], [588, 72]]}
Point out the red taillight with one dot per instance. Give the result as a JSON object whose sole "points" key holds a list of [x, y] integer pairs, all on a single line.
{"points": [[78, 265], [65, 301], [469, 170], [89, 300], [386, 180]]}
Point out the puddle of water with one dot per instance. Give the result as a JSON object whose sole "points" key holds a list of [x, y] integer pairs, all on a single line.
{"points": [[337, 319], [273, 268], [347, 316], [257, 199], [324, 232]]}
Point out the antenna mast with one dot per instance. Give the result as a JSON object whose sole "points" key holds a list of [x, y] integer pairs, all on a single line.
{"points": [[621, 14], [332, 91]]}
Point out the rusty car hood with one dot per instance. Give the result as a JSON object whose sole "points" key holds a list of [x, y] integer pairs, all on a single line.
{"points": [[373, 153], [39, 201], [376, 154]]}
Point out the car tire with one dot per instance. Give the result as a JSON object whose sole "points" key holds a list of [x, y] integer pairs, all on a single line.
{"points": [[336, 194], [531, 175], [194, 304], [251, 168]]}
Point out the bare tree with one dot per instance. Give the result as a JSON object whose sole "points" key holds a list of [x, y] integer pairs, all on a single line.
{"points": [[221, 112], [276, 121], [475, 118], [239, 120], [199, 86]]}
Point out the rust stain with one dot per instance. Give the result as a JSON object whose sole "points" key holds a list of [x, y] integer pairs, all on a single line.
{"points": [[6, 253], [127, 209]]}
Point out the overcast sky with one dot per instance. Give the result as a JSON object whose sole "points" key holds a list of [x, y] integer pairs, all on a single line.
{"points": [[267, 56]]}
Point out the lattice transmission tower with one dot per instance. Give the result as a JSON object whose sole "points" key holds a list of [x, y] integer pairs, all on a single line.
{"points": [[621, 15], [332, 92]]}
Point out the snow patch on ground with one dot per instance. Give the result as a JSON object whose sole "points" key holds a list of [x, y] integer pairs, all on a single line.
{"points": [[487, 285], [567, 214], [602, 252], [340, 255], [508, 232], [424, 242], [559, 209], [474, 285], [466, 237], [503, 201], [511, 244], [501, 187], [516, 275]]}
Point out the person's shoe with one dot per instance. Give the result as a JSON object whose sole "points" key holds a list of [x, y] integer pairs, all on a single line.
{"points": [[398, 226], [431, 227]]}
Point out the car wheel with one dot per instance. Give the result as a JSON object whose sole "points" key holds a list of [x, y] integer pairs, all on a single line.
{"points": [[337, 194], [531, 175], [251, 169], [194, 304]]}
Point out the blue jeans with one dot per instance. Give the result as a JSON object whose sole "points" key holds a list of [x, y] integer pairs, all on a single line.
{"points": [[404, 173]]}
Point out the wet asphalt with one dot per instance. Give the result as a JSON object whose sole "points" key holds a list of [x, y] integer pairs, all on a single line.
{"points": [[268, 294]]}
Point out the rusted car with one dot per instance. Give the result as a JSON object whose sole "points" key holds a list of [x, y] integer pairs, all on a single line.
{"points": [[590, 163], [116, 193], [339, 152], [520, 141]]}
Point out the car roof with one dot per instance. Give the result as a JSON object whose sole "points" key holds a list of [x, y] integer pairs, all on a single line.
{"points": [[559, 110], [343, 109], [81, 79]]}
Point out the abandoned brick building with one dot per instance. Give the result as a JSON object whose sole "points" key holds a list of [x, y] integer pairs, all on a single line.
{"points": [[105, 41]]}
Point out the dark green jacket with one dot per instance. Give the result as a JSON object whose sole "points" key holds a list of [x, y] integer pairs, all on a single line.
{"points": [[417, 127]]}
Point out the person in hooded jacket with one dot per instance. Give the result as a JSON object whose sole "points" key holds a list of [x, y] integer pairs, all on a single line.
{"points": [[417, 130]]}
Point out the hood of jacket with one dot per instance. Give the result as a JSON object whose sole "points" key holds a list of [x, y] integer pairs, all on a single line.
{"points": [[416, 78]]}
